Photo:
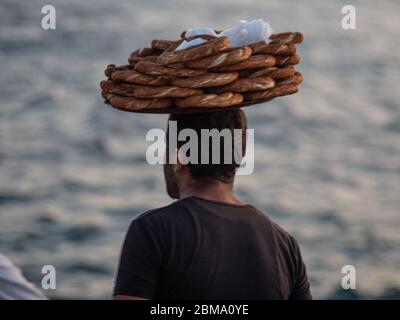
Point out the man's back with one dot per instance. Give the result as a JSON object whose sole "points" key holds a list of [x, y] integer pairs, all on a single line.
{"points": [[202, 249]]}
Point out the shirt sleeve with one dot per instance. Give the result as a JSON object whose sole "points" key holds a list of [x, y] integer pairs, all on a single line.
{"points": [[140, 262], [301, 289], [13, 285]]}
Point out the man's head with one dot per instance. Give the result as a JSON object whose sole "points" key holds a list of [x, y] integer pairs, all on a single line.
{"points": [[178, 176]]}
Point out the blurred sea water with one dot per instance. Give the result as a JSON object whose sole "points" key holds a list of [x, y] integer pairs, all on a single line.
{"points": [[73, 172]]}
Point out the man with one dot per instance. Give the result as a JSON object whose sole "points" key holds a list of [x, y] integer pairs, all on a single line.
{"points": [[208, 244]]}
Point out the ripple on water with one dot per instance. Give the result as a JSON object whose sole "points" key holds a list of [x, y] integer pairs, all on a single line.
{"points": [[82, 233], [86, 267]]}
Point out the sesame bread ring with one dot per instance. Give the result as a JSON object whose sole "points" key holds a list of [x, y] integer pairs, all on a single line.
{"points": [[133, 104], [109, 70], [277, 91], [133, 76], [160, 44], [286, 38], [245, 85], [130, 90], [273, 49], [177, 65], [201, 50], [155, 69], [272, 72], [254, 62], [205, 81], [296, 79], [221, 59], [144, 53], [208, 100], [283, 61], [119, 88], [164, 92], [112, 67], [280, 38], [204, 36], [133, 59], [253, 73]]}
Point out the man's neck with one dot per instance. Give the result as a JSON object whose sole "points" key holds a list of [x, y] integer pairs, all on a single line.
{"points": [[215, 191]]}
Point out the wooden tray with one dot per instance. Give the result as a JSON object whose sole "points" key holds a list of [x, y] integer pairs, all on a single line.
{"points": [[177, 110]]}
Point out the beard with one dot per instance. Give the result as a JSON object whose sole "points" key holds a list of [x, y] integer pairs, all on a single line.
{"points": [[170, 181]]}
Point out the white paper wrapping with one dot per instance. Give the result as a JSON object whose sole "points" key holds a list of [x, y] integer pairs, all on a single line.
{"points": [[243, 34], [186, 44], [247, 33]]}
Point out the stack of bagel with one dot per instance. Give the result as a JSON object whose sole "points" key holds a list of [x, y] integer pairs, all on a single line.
{"points": [[209, 74]]}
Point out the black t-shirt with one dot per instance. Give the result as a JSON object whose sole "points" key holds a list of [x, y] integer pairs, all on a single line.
{"points": [[201, 249]]}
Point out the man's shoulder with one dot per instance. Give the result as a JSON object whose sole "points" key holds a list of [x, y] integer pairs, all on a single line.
{"points": [[162, 212], [280, 232]]}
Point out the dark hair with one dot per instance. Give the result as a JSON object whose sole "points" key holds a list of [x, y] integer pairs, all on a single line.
{"points": [[224, 119]]}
